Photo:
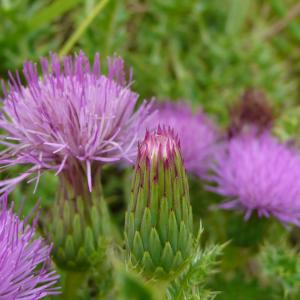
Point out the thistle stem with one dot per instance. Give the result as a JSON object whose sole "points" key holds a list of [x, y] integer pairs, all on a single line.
{"points": [[73, 283], [82, 27]]}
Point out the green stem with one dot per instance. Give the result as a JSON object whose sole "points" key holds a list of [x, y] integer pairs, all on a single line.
{"points": [[81, 29], [73, 283]]}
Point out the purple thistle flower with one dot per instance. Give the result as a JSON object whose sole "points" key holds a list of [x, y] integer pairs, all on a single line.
{"points": [[257, 173], [24, 260], [73, 119], [196, 132]]}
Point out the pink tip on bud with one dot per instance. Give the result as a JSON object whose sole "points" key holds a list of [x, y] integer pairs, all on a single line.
{"points": [[162, 143]]}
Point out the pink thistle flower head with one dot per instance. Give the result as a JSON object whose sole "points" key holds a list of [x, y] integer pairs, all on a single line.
{"points": [[24, 260], [196, 133], [72, 119], [257, 173]]}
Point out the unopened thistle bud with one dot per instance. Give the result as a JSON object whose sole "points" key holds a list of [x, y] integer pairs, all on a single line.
{"points": [[76, 226], [158, 226]]}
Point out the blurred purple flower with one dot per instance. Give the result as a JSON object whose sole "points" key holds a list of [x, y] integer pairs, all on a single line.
{"points": [[24, 260], [72, 119], [197, 134], [259, 174]]}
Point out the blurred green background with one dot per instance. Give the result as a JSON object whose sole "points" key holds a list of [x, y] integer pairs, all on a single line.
{"points": [[205, 51]]}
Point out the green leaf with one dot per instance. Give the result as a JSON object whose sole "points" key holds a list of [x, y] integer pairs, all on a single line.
{"points": [[281, 268], [191, 283], [51, 12], [133, 288]]}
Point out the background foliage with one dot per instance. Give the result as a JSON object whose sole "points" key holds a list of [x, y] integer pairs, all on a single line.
{"points": [[207, 52]]}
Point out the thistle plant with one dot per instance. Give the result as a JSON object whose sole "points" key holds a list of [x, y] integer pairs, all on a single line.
{"points": [[159, 222], [24, 259]]}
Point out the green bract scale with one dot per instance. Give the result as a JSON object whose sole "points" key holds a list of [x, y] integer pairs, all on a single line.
{"points": [[76, 230], [159, 222]]}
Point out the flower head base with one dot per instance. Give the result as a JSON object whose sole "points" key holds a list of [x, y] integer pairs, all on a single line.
{"points": [[77, 233], [196, 133], [259, 174], [73, 119], [158, 226], [24, 260]]}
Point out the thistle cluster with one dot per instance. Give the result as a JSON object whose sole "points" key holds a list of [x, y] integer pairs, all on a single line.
{"points": [[74, 120]]}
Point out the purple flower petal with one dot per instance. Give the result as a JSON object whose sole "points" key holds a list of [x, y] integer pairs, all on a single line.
{"points": [[72, 114], [259, 173], [196, 132], [24, 260]]}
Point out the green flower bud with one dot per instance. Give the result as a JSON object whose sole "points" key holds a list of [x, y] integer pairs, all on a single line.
{"points": [[158, 225], [75, 227]]}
